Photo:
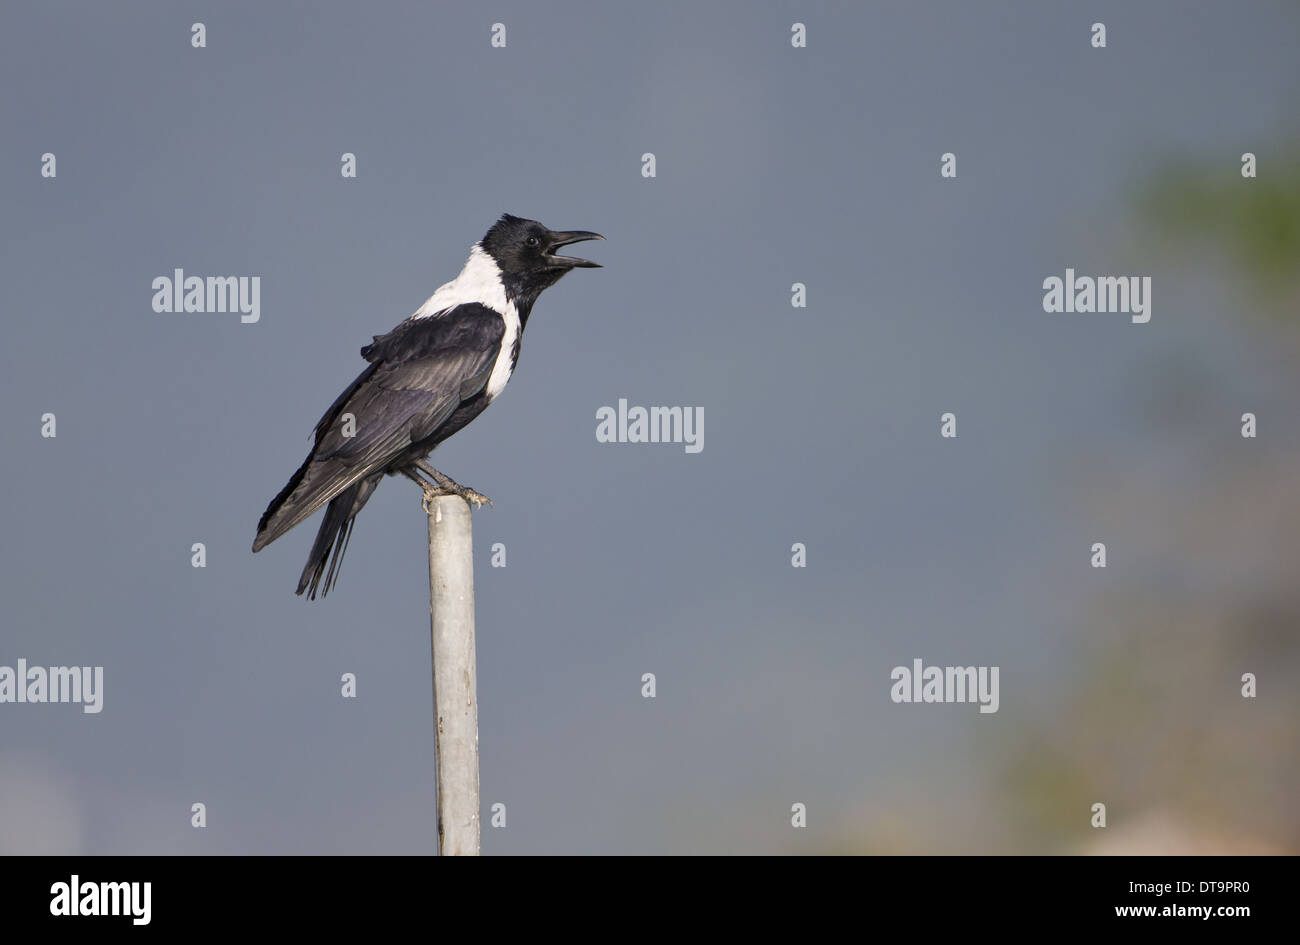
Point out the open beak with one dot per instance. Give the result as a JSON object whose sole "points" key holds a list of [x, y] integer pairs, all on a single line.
{"points": [[564, 239]]}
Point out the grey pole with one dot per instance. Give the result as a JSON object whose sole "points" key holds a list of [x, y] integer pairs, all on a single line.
{"points": [[455, 697]]}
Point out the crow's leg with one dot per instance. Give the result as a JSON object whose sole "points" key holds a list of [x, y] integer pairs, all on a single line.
{"points": [[431, 491], [443, 485], [447, 484]]}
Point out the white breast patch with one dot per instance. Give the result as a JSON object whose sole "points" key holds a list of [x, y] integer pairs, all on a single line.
{"points": [[505, 361], [479, 281]]}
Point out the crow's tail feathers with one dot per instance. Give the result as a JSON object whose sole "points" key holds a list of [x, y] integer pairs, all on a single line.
{"points": [[332, 539]]}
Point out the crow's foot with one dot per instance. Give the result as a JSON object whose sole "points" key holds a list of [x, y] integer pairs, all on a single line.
{"points": [[443, 485]]}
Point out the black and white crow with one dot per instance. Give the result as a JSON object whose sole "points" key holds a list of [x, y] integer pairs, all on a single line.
{"points": [[427, 378]]}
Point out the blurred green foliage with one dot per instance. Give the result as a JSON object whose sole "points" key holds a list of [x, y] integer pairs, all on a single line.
{"points": [[1255, 221], [1153, 722]]}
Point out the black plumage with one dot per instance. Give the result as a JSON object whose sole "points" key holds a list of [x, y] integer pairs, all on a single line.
{"points": [[427, 379]]}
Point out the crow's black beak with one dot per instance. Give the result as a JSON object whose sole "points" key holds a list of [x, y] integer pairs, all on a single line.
{"points": [[564, 239]]}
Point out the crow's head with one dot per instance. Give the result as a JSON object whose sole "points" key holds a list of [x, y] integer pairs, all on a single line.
{"points": [[525, 251]]}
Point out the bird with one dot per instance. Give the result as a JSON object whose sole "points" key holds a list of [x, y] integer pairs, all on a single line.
{"points": [[425, 380]]}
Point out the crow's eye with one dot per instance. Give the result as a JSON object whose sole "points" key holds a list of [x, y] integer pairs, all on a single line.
{"points": [[534, 241]]}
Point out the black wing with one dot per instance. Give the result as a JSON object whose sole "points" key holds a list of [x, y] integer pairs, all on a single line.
{"points": [[420, 372]]}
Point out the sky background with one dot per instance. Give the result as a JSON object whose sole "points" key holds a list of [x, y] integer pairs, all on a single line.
{"points": [[775, 165]]}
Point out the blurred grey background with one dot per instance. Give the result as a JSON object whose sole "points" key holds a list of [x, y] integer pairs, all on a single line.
{"points": [[775, 165]]}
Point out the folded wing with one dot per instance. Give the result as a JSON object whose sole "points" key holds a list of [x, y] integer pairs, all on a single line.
{"points": [[420, 372]]}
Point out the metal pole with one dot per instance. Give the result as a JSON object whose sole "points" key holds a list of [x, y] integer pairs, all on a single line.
{"points": [[455, 697]]}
